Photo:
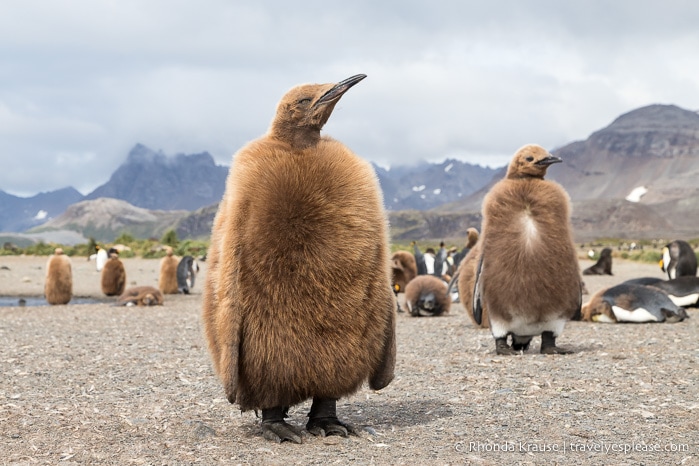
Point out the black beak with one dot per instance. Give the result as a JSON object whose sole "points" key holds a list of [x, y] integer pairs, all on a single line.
{"points": [[551, 159], [339, 89]]}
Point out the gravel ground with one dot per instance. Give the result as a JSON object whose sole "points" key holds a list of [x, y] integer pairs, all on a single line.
{"points": [[97, 384]]}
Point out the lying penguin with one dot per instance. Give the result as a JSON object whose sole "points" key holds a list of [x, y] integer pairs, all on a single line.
{"points": [[683, 291], [632, 303], [426, 295]]}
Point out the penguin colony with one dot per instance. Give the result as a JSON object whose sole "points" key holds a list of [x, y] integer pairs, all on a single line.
{"points": [[528, 275], [167, 281], [113, 275], [298, 301], [58, 287]]}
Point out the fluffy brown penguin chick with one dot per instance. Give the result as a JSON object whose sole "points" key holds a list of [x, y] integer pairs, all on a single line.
{"points": [[404, 269], [529, 278], [167, 281], [58, 286], [466, 280], [140, 296], [297, 300], [426, 295], [113, 275]]}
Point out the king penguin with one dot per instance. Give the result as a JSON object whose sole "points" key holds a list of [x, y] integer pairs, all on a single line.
{"points": [[679, 260], [113, 278], [58, 287], [528, 274], [167, 280], [297, 300]]}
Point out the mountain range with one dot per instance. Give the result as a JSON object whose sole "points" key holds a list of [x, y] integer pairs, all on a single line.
{"points": [[635, 178]]}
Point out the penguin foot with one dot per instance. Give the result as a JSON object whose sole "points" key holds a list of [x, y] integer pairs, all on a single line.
{"points": [[327, 426], [276, 429], [548, 345], [501, 347], [323, 421]]}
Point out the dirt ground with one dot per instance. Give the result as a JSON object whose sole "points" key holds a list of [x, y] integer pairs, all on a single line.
{"points": [[97, 384]]}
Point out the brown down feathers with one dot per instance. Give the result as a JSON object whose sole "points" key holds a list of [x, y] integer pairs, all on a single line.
{"points": [[298, 300]]}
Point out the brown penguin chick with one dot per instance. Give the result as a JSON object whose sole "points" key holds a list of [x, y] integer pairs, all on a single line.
{"points": [[466, 279], [529, 278], [140, 296], [113, 275], [426, 296], [404, 269], [603, 265], [297, 299], [58, 287], [167, 282]]}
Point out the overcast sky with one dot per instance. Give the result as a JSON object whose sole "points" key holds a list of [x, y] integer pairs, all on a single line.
{"points": [[83, 81]]}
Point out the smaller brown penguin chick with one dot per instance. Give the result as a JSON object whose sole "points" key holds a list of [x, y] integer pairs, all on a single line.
{"points": [[528, 275], [466, 281], [58, 286], [140, 296], [167, 281], [113, 275], [471, 237], [404, 270], [426, 295]]}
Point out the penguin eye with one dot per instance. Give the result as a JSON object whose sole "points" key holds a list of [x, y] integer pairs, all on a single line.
{"points": [[530, 159], [305, 101]]}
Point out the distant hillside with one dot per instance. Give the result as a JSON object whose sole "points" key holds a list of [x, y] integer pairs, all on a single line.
{"points": [[152, 180], [18, 214], [104, 219], [427, 185], [638, 177]]}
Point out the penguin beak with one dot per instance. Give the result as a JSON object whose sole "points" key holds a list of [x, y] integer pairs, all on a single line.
{"points": [[339, 89], [546, 161]]}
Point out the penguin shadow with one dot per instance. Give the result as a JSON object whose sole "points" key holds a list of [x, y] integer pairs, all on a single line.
{"points": [[404, 412], [364, 415]]}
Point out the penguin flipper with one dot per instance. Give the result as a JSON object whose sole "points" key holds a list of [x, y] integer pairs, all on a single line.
{"points": [[477, 305], [452, 283], [383, 374]]}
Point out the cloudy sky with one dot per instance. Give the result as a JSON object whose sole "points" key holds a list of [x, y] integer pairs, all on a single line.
{"points": [[83, 81]]}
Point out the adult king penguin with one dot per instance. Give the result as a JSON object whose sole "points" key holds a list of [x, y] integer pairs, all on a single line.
{"points": [[528, 276], [298, 301]]}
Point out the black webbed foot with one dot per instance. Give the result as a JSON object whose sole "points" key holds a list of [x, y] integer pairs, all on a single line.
{"points": [[276, 429], [323, 421], [548, 345], [501, 347]]}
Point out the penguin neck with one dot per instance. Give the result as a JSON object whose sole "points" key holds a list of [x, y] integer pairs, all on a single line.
{"points": [[524, 176], [298, 137]]}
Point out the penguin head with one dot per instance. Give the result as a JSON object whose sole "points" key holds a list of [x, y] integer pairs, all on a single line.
{"points": [[471, 237], [427, 301], [304, 110], [530, 161]]}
